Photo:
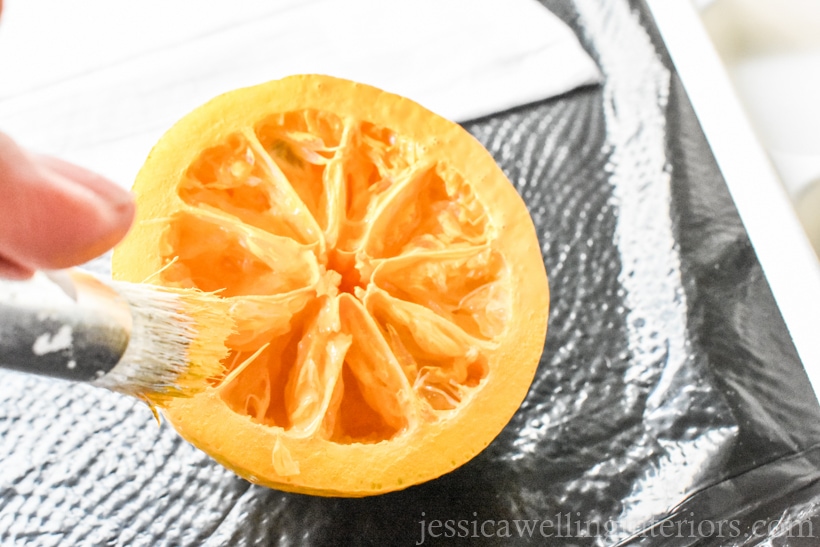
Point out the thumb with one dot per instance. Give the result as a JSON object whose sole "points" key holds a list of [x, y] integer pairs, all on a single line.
{"points": [[54, 214]]}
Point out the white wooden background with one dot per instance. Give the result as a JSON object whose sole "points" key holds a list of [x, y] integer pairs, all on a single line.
{"points": [[98, 81]]}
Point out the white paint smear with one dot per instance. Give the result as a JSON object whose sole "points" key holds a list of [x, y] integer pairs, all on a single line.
{"points": [[49, 343]]}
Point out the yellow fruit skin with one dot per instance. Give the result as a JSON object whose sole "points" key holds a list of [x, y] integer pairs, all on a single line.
{"points": [[267, 455]]}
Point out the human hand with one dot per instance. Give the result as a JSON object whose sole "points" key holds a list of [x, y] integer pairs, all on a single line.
{"points": [[54, 214]]}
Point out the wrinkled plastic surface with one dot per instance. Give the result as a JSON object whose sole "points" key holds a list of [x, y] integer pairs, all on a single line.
{"points": [[669, 408]]}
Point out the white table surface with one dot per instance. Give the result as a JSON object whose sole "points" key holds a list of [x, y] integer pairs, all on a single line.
{"points": [[97, 82]]}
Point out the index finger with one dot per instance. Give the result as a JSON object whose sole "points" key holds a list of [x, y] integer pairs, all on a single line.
{"points": [[54, 214]]}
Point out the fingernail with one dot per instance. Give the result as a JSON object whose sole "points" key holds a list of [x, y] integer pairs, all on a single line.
{"points": [[81, 214], [116, 211], [114, 194]]}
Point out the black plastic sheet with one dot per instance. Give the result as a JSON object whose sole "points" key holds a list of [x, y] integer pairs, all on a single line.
{"points": [[669, 408]]}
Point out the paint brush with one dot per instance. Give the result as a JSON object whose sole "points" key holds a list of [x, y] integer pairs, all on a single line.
{"points": [[142, 340]]}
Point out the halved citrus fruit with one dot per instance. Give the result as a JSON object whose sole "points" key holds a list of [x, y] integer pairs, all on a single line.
{"points": [[384, 277]]}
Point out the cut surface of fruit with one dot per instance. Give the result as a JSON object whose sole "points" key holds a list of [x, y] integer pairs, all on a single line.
{"points": [[384, 278]]}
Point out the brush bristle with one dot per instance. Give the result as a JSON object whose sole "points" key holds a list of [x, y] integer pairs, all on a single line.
{"points": [[177, 343]]}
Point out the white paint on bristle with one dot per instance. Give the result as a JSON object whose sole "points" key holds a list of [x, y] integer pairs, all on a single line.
{"points": [[157, 353]]}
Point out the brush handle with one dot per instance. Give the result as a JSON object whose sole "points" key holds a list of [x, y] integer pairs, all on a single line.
{"points": [[74, 329]]}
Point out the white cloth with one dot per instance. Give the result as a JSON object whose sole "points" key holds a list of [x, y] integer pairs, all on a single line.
{"points": [[98, 82]]}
